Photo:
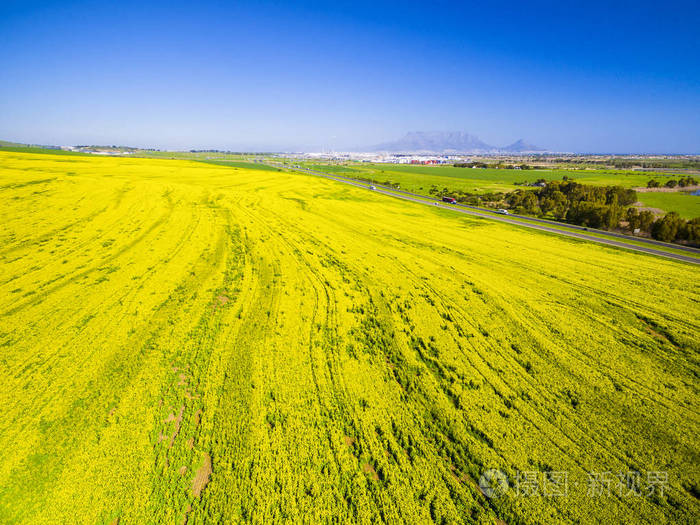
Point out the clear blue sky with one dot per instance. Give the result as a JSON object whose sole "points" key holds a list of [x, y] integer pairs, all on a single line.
{"points": [[569, 76]]}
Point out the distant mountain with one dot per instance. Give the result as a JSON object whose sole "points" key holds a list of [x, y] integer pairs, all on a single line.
{"points": [[520, 146], [436, 142], [449, 142]]}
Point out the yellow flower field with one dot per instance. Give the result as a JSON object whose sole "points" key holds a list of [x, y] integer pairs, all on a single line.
{"points": [[185, 341]]}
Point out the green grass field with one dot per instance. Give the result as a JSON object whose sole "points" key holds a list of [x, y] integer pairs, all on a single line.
{"points": [[334, 168], [189, 341], [686, 205], [241, 164]]}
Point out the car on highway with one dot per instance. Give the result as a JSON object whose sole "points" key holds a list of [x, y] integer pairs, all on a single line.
{"points": [[503, 212], [450, 200], [372, 187]]}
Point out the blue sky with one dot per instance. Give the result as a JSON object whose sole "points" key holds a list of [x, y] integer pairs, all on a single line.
{"points": [[588, 76]]}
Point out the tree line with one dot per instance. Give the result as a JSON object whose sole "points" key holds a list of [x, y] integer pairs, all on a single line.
{"points": [[683, 182], [595, 206], [600, 207]]}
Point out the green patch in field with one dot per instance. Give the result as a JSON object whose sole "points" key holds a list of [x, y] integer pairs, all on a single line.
{"points": [[683, 203], [333, 168], [240, 164]]}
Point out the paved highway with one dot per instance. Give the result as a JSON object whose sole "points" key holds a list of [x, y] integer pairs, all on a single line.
{"points": [[536, 224]]}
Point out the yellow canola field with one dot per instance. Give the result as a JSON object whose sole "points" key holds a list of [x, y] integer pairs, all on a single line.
{"points": [[183, 341]]}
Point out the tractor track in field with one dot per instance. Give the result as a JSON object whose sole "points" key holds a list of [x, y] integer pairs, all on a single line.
{"points": [[623, 303], [205, 363], [320, 290], [437, 297], [73, 278], [55, 356], [450, 307], [295, 252], [126, 363], [56, 231], [51, 289], [343, 409], [45, 237], [545, 420], [333, 401], [419, 420], [187, 234], [90, 241]]}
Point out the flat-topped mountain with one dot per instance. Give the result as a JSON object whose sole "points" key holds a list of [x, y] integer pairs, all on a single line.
{"points": [[449, 142]]}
